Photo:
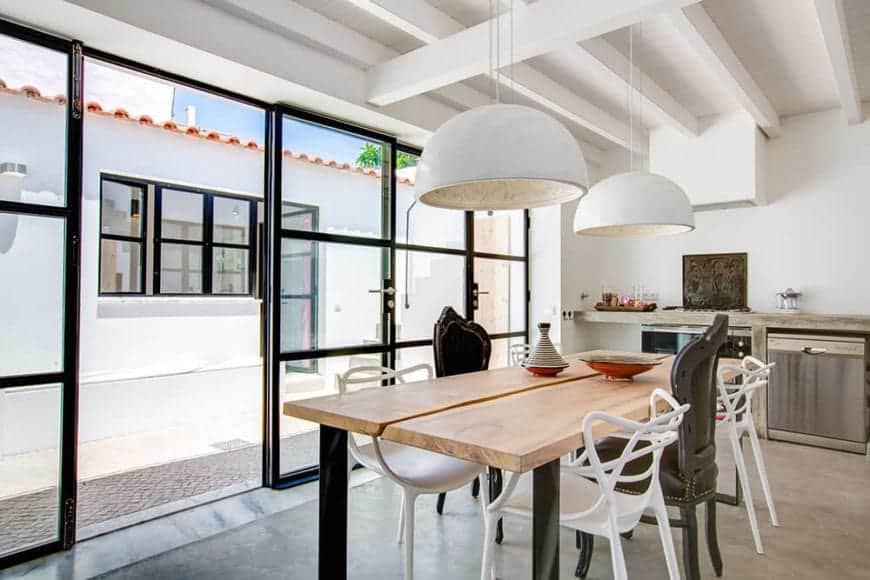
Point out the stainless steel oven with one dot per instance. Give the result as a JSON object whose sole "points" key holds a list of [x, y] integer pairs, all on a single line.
{"points": [[670, 339]]}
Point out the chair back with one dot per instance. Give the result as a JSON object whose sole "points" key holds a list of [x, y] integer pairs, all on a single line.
{"points": [[519, 353], [736, 399], [461, 346], [642, 439], [693, 382], [373, 376]]}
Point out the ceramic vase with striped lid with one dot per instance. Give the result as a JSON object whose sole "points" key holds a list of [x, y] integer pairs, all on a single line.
{"points": [[544, 359]]}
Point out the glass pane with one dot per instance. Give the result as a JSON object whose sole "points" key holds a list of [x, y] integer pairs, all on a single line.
{"points": [[303, 380], [429, 226], [230, 271], [500, 232], [426, 282], [501, 351], [120, 266], [194, 368], [182, 215], [29, 466], [409, 357], [31, 294], [298, 217], [231, 220], [503, 308], [122, 209], [337, 176], [33, 118], [180, 269], [325, 298]]}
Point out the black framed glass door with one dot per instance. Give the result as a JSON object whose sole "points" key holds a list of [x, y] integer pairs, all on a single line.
{"points": [[363, 270], [40, 170]]}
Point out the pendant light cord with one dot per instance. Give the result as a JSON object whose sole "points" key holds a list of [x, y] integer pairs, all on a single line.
{"points": [[631, 98], [513, 91]]}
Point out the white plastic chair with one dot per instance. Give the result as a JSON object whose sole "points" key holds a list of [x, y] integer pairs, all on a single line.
{"points": [[589, 500], [415, 471], [519, 353], [735, 403]]}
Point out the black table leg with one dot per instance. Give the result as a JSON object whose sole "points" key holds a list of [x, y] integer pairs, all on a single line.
{"points": [[332, 532], [545, 524]]}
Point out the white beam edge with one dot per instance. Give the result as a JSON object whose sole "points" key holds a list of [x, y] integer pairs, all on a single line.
{"points": [[835, 34], [547, 26], [698, 29]]}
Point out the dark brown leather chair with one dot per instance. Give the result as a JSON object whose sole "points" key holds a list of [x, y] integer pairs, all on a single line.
{"points": [[461, 346], [688, 467]]}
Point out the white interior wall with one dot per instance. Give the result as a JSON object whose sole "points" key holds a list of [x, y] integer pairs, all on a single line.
{"points": [[812, 235]]}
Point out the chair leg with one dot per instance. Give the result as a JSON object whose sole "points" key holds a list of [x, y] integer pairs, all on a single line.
{"points": [[690, 543], [410, 499], [585, 542], [712, 537], [762, 473], [401, 527], [664, 525], [487, 567], [616, 555], [440, 505], [475, 487], [744, 486], [495, 487]]}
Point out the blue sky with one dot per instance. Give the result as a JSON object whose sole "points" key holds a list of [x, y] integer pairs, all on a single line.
{"points": [[247, 123]]}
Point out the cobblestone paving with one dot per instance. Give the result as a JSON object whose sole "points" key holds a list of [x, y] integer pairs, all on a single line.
{"points": [[32, 518]]}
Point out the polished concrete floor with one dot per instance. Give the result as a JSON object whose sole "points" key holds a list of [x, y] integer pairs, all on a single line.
{"points": [[823, 499]]}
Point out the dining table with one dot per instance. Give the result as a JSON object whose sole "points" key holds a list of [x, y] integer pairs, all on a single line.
{"points": [[504, 418]]}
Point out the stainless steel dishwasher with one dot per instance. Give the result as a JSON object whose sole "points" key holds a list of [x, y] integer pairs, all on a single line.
{"points": [[817, 391]]}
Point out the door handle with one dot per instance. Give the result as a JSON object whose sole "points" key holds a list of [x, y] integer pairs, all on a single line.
{"points": [[813, 351], [389, 291], [477, 292]]}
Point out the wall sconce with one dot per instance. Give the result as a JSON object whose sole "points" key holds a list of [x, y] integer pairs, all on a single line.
{"points": [[13, 169]]}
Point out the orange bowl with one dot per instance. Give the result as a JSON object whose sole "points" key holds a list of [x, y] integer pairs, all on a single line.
{"points": [[620, 367], [619, 371]]}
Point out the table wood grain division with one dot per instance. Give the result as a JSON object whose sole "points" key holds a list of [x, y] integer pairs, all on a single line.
{"points": [[526, 430], [369, 411]]}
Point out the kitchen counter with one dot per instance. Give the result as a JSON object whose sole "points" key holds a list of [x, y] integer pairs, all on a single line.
{"points": [[759, 323], [857, 323]]}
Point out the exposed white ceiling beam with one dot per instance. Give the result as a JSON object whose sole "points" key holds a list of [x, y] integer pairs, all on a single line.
{"points": [[426, 23], [699, 30], [290, 18], [547, 26], [833, 24], [599, 54], [228, 51]]}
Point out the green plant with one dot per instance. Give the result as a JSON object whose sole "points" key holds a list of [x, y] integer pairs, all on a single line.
{"points": [[370, 156]]}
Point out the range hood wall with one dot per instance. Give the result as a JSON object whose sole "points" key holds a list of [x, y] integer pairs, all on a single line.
{"points": [[720, 168]]}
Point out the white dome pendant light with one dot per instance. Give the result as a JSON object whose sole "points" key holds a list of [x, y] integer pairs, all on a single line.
{"points": [[636, 203], [501, 156]]}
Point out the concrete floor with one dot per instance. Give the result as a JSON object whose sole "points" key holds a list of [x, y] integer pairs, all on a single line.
{"points": [[823, 500]]}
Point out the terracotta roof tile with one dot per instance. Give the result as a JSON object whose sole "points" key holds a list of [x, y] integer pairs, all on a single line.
{"points": [[122, 114]]}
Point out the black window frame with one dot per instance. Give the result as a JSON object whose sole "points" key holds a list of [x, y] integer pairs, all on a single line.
{"points": [[142, 239]]}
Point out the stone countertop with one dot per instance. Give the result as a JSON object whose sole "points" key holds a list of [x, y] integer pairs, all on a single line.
{"points": [[859, 323]]}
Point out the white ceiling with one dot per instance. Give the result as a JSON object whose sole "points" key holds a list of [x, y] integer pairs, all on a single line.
{"points": [[768, 57], [778, 42]]}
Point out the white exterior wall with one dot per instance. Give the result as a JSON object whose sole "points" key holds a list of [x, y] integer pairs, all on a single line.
{"points": [[133, 348]]}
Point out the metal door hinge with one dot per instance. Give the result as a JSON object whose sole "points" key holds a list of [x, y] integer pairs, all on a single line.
{"points": [[69, 523], [77, 80]]}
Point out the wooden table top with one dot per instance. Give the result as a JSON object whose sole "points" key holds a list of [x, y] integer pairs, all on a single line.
{"points": [[369, 411], [505, 417], [527, 430]]}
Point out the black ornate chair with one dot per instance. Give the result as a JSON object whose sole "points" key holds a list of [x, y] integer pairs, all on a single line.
{"points": [[688, 469], [461, 346]]}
